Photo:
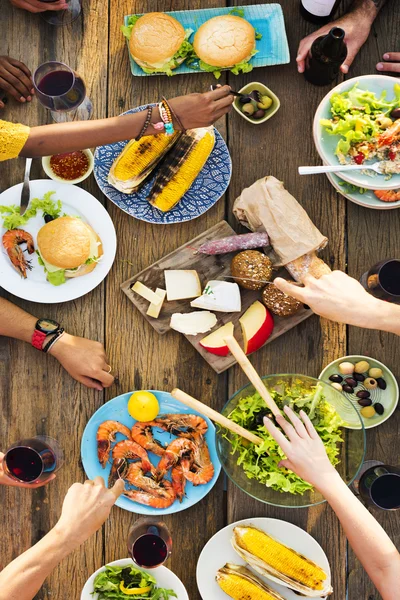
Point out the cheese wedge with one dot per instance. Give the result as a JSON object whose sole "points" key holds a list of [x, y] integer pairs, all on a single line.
{"points": [[222, 296], [146, 292], [193, 323], [182, 284], [155, 309]]}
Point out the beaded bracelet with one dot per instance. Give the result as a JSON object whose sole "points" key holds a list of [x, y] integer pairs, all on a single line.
{"points": [[166, 116], [146, 123], [177, 119]]}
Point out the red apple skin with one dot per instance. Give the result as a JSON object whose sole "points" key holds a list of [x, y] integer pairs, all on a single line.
{"points": [[219, 351], [262, 334]]}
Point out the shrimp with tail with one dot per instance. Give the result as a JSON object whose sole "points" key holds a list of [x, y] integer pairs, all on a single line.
{"points": [[182, 425], [200, 469], [105, 436], [142, 434], [12, 239], [173, 454]]}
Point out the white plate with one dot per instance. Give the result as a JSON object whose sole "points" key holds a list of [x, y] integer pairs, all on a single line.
{"points": [[75, 202], [218, 551], [165, 579]]}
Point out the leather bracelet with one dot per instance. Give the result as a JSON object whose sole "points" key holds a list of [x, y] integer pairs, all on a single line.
{"points": [[177, 119], [54, 339], [146, 123]]}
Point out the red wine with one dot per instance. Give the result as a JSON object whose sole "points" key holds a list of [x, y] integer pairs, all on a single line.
{"points": [[326, 55], [389, 277], [24, 463], [149, 550], [385, 491], [318, 11], [61, 90], [56, 83]]}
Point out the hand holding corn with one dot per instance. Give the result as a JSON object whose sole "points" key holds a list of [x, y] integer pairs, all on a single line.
{"points": [[202, 110]]}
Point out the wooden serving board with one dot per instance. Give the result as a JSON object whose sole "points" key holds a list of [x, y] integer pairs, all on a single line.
{"points": [[207, 267]]}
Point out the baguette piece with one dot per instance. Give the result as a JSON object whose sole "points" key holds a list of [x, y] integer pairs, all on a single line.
{"points": [[308, 264]]}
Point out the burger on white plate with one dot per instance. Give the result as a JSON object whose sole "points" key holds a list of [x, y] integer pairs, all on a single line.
{"points": [[67, 247], [225, 42], [158, 43]]}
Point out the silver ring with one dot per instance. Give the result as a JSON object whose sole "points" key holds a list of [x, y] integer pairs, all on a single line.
{"points": [[109, 370]]}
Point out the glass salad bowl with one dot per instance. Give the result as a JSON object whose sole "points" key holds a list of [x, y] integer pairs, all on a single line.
{"points": [[331, 413]]}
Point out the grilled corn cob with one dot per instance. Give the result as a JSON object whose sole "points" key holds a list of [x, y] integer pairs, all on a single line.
{"points": [[181, 167], [275, 560], [138, 159], [241, 584]]}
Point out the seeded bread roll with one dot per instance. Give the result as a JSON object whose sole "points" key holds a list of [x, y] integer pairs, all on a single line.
{"points": [[251, 269], [278, 302]]}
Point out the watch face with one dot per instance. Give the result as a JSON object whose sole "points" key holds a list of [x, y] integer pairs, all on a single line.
{"points": [[47, 325]]}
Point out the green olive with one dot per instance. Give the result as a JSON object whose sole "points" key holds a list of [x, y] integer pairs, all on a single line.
{"points": [[248, 109], [265, 102]]}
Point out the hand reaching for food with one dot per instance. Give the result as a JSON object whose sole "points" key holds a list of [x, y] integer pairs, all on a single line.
{"points": [[6, 480], [85, 360], [304, 449], [202, 110], [15, 79]]}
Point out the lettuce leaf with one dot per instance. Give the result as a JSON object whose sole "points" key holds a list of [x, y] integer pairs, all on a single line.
{"points": [[48, 206], [238, 12], [127, 29], [56, 278]]}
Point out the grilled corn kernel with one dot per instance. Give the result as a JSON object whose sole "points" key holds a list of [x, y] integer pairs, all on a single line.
{"points": [[239, 588], [137, 155]]}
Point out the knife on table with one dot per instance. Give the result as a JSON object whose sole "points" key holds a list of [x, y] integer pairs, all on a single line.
{"points": [[25, 194]]}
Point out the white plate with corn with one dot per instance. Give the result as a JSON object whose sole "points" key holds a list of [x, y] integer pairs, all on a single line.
{"points": [[165, 179], [263, 558]]}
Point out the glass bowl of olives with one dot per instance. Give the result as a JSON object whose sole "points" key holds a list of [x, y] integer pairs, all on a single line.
{"points": [[257, 103], [367, 383]]}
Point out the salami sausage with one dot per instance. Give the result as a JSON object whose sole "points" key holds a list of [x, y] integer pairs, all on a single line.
{"points": [[234, 243]]}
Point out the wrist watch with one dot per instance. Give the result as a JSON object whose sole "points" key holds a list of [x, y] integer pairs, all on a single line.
{"points": [[43, 328]]}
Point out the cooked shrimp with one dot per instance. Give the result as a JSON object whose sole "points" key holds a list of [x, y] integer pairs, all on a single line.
{"points": [[182, 425], [132, 450], [174, 452], [149, 500], [390, 135], [201, 469], [11, 242], [142, 434], [178, 482], [388, 195], [105, 435], [119, 469], [135, 476]]}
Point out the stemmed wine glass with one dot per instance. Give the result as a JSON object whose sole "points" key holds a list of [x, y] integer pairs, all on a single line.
{"points": [[383, 280], [149, 543], [63, 17], [379, 486], [33, 460], [63, 91]]}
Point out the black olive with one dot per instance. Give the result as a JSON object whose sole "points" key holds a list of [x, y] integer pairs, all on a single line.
{"points": [[350, 381], [381, 383], [336, 378], [363, 394], [245, 99], [365, 402], [395, 114], [358, 376], [47, 218], [379, 408], [348, 388], [259, 417]]}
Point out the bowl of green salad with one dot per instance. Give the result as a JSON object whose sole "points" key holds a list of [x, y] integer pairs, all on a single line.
{"points": [[358, 122], [254, 469]]}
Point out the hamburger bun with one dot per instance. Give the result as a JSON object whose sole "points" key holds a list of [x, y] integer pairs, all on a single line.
{"points": [[155, 38], [225, 41], [85, 269], [67, 243]]}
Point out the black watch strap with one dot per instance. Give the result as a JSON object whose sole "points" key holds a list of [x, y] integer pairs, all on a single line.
{"points": [[54, 337]]}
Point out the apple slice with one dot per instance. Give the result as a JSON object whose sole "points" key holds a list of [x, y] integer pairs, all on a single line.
{"points": [[257, 325], [214, 342]]}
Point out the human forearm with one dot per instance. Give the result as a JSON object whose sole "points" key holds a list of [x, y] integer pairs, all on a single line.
{"points": [[368, 9], [15, 322], [387, 318]]}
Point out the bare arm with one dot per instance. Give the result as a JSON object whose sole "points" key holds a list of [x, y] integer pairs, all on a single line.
{"points": [[306, 456], [15, 322]]}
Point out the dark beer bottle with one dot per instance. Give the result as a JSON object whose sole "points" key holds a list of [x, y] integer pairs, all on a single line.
{"points": [[318, 11], [326, 55]]}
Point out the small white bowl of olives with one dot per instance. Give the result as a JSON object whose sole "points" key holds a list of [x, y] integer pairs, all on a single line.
{"points": [[257, 103], [367, 383]]}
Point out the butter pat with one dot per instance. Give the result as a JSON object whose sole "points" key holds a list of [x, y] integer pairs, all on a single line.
{"points": [[146, 292], [193, 323], [182, 284], [155, 309], [221, 296]]}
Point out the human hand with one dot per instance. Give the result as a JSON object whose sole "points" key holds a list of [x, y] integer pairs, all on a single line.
{"points": [[357, 27], [393, 65], [202, 110], [337, 297], [304, 449], [35, 6], [15, 79], [86, 507], [85, 360], [6, 480]]}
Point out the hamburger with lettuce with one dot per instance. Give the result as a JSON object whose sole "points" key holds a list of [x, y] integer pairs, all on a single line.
{"points": [[157, 42], [225, 42], [67, 247]]}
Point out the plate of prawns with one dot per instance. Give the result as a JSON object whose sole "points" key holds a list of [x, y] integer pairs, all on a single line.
{"points": [[168, 464]]}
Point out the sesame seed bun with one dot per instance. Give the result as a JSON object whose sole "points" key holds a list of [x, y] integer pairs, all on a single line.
{"points": [[154, 39], [225, 41]]}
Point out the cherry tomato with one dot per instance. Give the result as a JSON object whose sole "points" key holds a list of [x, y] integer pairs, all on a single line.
{"points": [[359, 158], [392, 155]]}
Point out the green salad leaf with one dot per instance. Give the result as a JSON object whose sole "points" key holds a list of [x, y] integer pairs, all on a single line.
{"points": [[350, 188], [54, 277], [261, 462], [238, 12], [14, 220], [127, 29], [108, 584]]}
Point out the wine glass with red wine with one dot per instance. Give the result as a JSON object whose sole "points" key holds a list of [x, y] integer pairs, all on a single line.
{"points": [[383, 280], [379, 487], [63, 91], [149, 543], [33, 460], [62, 17]]}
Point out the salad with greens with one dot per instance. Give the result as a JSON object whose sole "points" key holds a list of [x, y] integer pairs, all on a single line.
{"points": [[13, 220], [128, 582], [261, 462], [367, 126]]}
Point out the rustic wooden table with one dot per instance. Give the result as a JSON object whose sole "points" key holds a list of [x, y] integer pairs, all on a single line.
{"points": [[37, 397]]}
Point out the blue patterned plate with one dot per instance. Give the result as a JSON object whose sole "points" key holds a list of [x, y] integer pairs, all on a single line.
{"points": [[206, 190]]}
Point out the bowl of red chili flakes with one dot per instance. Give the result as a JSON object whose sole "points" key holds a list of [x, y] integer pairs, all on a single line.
{"points": [[69, 167]]}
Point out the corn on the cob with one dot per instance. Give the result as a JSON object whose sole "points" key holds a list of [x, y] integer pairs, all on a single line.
{"points": [[181, 167], [241, 584], [273, 559], [138, 159]]}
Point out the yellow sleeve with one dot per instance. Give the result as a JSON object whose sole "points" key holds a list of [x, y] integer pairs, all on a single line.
{"points": [[13, 138]]}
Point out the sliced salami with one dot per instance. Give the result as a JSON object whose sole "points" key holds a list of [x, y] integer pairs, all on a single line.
{"points": [[235, 243]]}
